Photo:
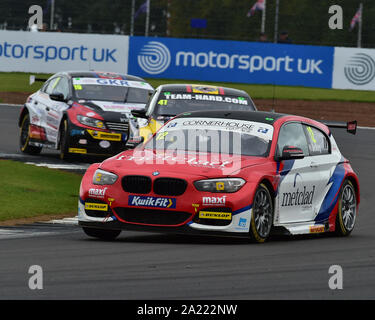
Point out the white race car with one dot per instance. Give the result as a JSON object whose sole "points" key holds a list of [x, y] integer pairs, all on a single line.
{"points": [[219, 172], [83, 113]]}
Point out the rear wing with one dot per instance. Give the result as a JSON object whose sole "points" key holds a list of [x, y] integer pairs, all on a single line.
{"points": [[33, 79], [350, 127]]}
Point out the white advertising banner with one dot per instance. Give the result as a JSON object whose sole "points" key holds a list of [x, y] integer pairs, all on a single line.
{"points": [[354, 69], [50, 52]]}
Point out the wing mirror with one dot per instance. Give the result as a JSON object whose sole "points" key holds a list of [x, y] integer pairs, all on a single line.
{"points": [[292, 153], [139, 113], [57, 96]]}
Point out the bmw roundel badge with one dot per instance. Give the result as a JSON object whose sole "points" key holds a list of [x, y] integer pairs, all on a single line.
{"points": [[155, 173]]}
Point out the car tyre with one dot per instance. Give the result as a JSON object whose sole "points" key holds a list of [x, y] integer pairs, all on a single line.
{"points": [[262, 215], [64, 141], [103, 234], [25, 137], [347, 210]]}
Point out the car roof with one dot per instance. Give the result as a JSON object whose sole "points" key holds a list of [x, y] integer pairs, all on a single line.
{"points": [[257, 116], [101, 74], [186, 87]]}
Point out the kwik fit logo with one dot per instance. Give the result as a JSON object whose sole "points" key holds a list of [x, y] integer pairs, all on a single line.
{"points": [[154, 202], [300, 197]]}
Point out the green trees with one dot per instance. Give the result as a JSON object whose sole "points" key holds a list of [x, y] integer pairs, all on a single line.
{"points": [[305, 20]]}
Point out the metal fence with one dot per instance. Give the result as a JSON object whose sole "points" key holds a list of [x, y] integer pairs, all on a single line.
{"points": [[305, 21]]}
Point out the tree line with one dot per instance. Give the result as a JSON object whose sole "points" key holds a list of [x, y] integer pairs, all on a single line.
{"points": [[306, 21]]}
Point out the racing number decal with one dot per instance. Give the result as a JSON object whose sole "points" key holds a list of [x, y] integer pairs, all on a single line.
{"points": [[220, 186], [163, 102], [311, 132], [56, 83], [98, 177], [162, 135]]}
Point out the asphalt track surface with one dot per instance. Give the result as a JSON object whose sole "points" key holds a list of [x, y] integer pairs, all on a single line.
{"points": [[153, 266]]}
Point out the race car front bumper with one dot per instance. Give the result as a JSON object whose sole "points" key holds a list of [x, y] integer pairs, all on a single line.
{"points": [[186, 229], [96, 213], [96, 142]]}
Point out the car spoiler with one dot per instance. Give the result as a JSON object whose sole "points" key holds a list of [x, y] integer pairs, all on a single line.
{"points": [[350, 126], [32, 79]]}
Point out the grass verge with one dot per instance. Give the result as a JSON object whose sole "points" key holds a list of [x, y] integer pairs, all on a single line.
{"points": [[28, 191], [19, 82]]}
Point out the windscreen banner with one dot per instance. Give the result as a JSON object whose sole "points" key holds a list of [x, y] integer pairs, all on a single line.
{"points": [[50, 52], [231, 61]]}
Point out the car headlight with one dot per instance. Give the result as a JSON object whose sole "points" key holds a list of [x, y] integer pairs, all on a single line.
{"points": [[220, 185], [102, 177], [91, 122]]}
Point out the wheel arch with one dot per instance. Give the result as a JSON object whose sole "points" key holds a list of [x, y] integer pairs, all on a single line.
{"points": [[355, 184], [270, 188], [63, 118], [24, 111]]}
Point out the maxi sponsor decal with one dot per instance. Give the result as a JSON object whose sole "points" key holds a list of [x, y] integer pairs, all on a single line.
{"points": [[214, 201], [52, 52], [154, 202], [231, 61], [97, 193]]}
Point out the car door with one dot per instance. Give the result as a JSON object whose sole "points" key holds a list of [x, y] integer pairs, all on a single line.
{"points": [[297, 186], [45, 104], [37, 107], [56, 109], [323, 163]]}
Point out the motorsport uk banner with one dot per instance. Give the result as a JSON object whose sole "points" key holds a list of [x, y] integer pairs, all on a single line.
{"points": [[190, 59], [50, 52], [253, 62], [231, 61]]}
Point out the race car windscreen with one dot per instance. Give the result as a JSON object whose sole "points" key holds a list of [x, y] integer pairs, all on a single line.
{"points": [[174, 103], [224, 136], [106, 90]]}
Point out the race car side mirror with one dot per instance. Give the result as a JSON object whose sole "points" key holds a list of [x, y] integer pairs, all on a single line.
{"points": [[139, 113], [57, 97], [292, 153]]}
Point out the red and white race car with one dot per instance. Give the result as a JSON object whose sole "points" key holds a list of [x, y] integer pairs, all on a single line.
{"points": [[237, 173]]}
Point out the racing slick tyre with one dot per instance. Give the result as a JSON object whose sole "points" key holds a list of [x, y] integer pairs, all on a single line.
{"points": [[25, 137], [347, 209], [102, 233], [64, 141], [262, 215]]}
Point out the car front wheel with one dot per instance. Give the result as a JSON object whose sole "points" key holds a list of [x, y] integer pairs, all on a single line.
{"points": [[262, 215], [64, 141]]}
